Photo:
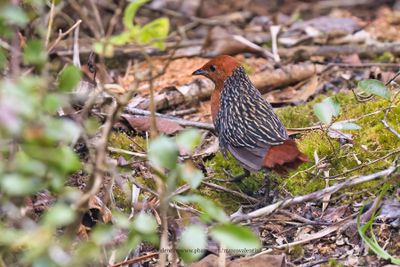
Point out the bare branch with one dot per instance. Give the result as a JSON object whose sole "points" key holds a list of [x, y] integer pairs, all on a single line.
{"points": [[318, 195]]}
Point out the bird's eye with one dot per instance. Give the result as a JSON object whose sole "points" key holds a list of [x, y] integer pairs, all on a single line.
{"points": [[213, 68]]}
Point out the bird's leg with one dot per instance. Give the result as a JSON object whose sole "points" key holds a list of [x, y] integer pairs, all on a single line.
{"points": [[237, 178], [267, 187]]}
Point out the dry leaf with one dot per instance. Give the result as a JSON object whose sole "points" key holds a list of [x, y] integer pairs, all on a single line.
{"points": [[142, 123]]}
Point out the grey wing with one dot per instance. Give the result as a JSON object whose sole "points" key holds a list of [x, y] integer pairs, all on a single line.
{"points": [[248, 129], [250, 123]]}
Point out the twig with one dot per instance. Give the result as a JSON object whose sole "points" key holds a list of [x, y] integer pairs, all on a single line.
{"points": [[114, 19], [97, 17], [201, 125], [317, 195], [135, 260], [127, 152], [100, 167], [384, 120], [365, 164], [274, 36], [78, 9], [233, 192], [62, 35], [50, 24], [393, 78], [324, 232]]}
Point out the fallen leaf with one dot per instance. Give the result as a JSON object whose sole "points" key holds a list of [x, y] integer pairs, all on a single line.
{"points": [[334, 214], [142, 124], [255, 261]]}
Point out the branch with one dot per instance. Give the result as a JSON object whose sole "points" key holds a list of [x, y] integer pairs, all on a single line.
{"points": [[182, 122], [313, 196], [61, 35]]}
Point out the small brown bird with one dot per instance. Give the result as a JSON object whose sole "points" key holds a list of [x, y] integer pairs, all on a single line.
{"points": [[245, 123]]}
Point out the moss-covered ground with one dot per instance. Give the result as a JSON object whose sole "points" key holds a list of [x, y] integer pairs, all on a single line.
{"points": [[369, 143]]}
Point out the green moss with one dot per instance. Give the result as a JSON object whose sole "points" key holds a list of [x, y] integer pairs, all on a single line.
{"points": [[296, 251], [121, 199], [369, 143], [249, 186], [386, 57], [123, 141]]}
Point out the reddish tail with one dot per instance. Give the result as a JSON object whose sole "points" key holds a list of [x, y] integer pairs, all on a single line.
{"points": [[280, 158]]}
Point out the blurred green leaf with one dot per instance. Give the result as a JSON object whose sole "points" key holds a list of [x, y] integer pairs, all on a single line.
{"points": [[325, 110], [5, 30], [323, 113], [345, 126], [154, 33], [238, 239], [102, 49], [123, 37], [372, 242], [333, 104], [69, 160], [191, 175], [192, 243], [29, 166], [63, 130], [3, 58], [374, 87], [103, 234], [188, 140], [211, 210], [130, 12], [34, 53], [52, 103], [63, 158], [91, 126], [69, 78], [14, 15], [163, 152], [145, 224], [15, 184], [58, 215]]}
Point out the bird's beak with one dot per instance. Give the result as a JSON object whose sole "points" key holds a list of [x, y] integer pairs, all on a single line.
{"points": [[199, 72]]}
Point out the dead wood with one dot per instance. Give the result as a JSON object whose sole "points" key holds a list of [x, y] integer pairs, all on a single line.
{"points": [[317, 195], [330, 51], [199, 89]]}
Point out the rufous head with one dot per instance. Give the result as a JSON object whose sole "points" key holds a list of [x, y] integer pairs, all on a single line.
{"points": [[218, 69]]}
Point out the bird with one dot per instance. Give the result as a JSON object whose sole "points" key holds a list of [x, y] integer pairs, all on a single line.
{"points": [[245, 123]]}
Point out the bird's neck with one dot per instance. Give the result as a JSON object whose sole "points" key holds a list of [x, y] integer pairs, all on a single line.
{"points": [[235, 86], [215, 103]]}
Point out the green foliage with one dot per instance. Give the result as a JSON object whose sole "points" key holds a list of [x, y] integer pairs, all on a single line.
{"points": [[163, 153], [327, 109], [69, 78], [34, 53], [237, 239], [153, 33], [369, 143], [37, 158], [192, 243], [188, 140], [372, 242], [130, 13], [374, 87], [211, 211], [14, 15], [160, 152], [145, 224]]}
